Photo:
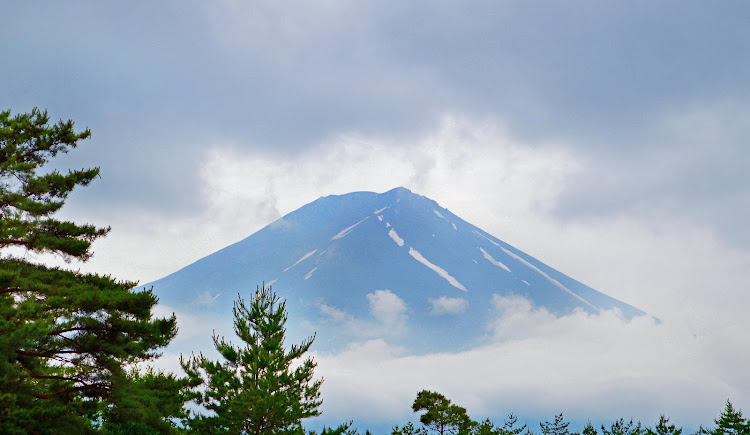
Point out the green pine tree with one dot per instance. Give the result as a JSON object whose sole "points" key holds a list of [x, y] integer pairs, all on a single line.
{"points": [[556, 427], [509, 426], [486, 427], [441, 415], [408, 429], [255, 389], [589, 429], [664, 428], [729, 422], [65, 337], [621, 427]]}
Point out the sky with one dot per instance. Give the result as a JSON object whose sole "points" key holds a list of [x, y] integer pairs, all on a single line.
{"points": [[608, 139]]}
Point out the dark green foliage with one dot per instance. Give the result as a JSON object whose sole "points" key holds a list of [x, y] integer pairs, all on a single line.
{"points": [[408, 429], [664, 428], [342, 429], [28, 199], [509, 426], [556, 427], [486, 427], [255, 390], [729, 422], [621, 427], [440, 414], [147, 402], [589, 429], [64, 336]]}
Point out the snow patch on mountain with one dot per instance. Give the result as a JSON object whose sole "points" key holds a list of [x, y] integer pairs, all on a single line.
{"points": [[394, 235], [206, 299], [440, 215], [380, 211], [439, 270], [555, 282], [347, 230], [493, 261], [309, 274], [304, 257], [485, 237]]}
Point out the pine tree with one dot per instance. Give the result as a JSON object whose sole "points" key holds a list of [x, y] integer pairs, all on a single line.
{"points": [[255, 389], [509, 426], [557, 427], [664, 428], [729, 422], [408, 429], [441, 415], [64, 336], [621, 427], [589, 429]]}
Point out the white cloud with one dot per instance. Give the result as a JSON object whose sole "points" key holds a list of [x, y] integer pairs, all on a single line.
{"points": [[536, 364], [447, 305], [388, 309], [388, 313], [673, 268]]}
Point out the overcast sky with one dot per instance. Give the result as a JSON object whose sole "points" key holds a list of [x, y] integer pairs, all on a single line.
{"points": [[609, 139]]}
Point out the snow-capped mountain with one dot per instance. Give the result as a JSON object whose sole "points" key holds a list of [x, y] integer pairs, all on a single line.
{"points": [[363, 265]]}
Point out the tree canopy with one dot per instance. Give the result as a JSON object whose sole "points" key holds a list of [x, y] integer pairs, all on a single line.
{"points": [[66, 338], [256, 389], [441, 415]]}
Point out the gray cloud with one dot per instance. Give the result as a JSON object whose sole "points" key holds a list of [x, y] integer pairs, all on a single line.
{"points": [[158, 83], [610, 140]]}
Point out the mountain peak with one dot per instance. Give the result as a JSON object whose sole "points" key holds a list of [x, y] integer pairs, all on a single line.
{"points": [[368, 264]]}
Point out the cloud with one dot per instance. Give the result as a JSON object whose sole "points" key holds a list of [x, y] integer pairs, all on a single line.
{"points": [[598, 366], [388, 309], [447, 305], [206, 299]]}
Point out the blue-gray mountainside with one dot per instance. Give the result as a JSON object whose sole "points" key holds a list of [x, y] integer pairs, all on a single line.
{"points": [[362, 265]]}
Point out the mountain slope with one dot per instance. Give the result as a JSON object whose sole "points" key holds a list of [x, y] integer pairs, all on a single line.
{"points": [[365, 265]]}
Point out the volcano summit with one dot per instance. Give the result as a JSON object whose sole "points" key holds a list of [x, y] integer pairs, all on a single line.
{"points": [[394, 265]]}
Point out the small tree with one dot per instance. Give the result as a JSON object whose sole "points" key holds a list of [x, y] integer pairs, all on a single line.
{"points": [[441, 415], [486, 427], [589, 429], [729, 422], [509, 426], [557, 427], [255, 390], [664, 428], [408, 429], [621, 427]]}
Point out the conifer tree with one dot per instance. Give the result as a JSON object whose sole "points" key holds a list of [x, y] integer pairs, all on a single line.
{"points": [[408, 429], [621, 427], [589, 429], [65, 336], [486, 427], [729, 422], [556, 427], [441, 415], [509, 426], [664, 428], [255, 389]]}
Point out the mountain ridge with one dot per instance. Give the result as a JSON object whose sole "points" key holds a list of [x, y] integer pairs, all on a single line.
{"points": [[394, 264]]}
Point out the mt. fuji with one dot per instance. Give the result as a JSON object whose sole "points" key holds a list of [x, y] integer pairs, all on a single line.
{"points": [[362, 265]]}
